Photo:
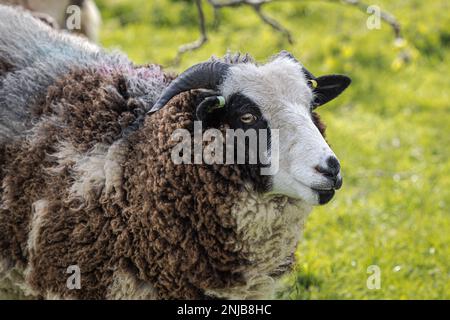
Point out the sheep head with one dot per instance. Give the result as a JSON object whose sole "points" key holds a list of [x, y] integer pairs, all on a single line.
{"points": [[282, 95]]}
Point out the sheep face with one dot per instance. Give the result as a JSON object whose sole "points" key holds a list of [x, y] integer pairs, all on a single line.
{"points": [[278, 95]]}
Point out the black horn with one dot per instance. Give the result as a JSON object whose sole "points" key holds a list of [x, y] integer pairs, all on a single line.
{"points": [[206, 75]]}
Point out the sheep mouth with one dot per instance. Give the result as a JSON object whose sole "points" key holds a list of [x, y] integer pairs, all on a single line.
{"points": [[325, 195]]}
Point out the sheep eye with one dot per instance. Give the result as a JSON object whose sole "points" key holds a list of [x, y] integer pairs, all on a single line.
{"points": [[248, 118]]}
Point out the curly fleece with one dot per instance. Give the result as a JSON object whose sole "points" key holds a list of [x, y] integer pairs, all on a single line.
{"points": [[78, 191]]}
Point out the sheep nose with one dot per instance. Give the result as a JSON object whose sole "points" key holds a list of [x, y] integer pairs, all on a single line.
{"points": [[332, 171]]}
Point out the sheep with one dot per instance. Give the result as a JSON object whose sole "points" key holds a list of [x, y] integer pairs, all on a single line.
{"points": [[56, 13], [88, 182]]}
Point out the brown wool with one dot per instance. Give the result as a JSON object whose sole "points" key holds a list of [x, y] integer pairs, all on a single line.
{"points": [[153, 230], [170, 226]]}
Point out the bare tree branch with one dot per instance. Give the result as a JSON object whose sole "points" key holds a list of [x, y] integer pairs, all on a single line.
{"points": [[200, 41], [388, 18], [273, 23], [385, 16], [257, 5], [236, 3]]}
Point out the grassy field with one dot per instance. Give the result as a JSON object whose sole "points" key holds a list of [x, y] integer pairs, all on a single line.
{"points": [[391, 131]]}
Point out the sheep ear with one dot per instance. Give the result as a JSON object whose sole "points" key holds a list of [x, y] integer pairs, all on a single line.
{"points": [[326, 88], [208, 106]]}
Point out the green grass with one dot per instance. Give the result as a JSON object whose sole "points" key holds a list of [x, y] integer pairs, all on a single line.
{"points": [[390, 130]]}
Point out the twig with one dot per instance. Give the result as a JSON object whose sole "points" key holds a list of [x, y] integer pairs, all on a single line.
{"points": [[217, 5], [236, 3], [273, 23], [385, 16], [200, 41], [257, 5], [405, 54]]}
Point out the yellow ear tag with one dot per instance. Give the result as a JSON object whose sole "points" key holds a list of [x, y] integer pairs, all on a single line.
{"points": [[220, 104], [313, 83], [221, 101]]}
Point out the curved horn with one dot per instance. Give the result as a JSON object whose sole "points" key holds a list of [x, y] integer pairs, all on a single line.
{"points": [[206, 75]]}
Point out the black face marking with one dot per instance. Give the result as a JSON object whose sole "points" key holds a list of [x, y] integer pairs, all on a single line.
{"points": [[237, 106], [318, 123]]}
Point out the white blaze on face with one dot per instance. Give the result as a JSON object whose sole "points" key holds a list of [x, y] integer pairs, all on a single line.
{"points": [[280, 89]]}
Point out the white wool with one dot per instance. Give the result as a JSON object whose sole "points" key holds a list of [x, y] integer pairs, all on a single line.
{"points": [[280, 89], [125, 285], [270, 228]]}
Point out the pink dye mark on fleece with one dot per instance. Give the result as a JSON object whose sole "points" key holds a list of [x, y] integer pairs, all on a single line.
{"points": [[149, 72]]}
